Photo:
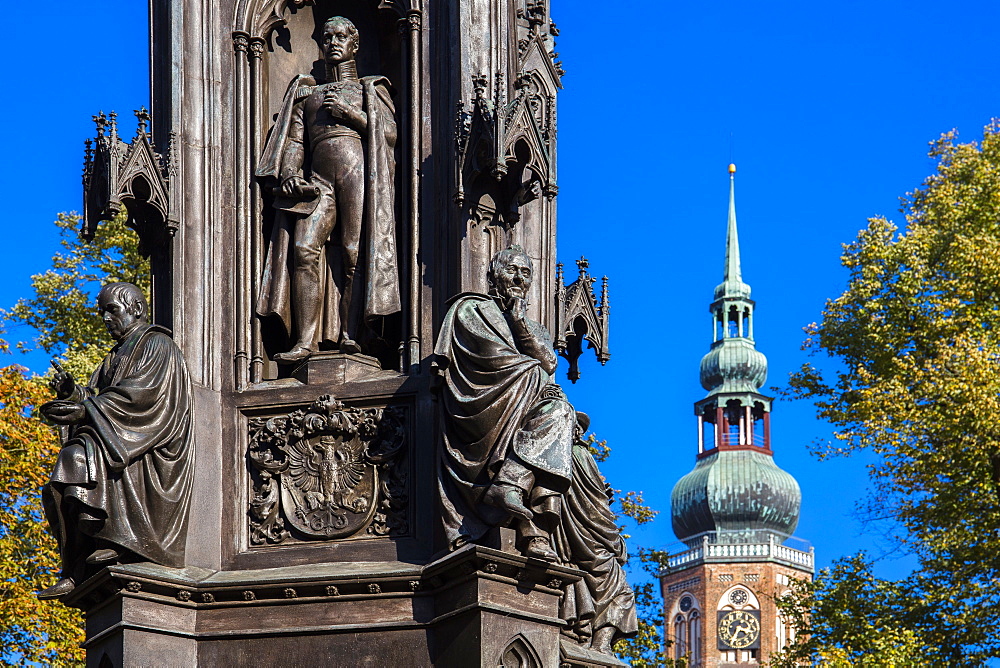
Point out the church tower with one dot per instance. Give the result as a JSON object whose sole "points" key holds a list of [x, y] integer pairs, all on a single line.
{"points": [[736, 509]]}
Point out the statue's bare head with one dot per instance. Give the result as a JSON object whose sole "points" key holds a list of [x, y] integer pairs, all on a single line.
{"points": [[340, 40], [511, 273], [123, 308]]}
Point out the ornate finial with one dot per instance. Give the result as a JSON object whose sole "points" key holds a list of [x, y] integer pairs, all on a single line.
{"points": [[101, 121], [536, 13], [579, 318], [479, 84], [113, 124], [732, 168], [732, 280], [143, 116]]}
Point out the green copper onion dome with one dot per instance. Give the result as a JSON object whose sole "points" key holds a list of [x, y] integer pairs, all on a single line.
{"points": [[733, 365], [740, 492], [736, 492]]}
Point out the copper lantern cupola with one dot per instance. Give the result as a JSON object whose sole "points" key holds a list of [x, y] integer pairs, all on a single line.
{"points": [[735, 489]]}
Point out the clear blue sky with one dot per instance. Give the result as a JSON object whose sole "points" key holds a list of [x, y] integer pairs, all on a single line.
{"points": [[830, 107]]}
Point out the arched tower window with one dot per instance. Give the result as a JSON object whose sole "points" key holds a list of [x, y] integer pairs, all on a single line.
{"points": [[784, 632], [694, 637], [733, 323], [687, 628]]}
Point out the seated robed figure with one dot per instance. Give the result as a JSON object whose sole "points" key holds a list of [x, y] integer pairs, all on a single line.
{"points": [[121, 486], [599, 609], [508, 427], [514, 453]]}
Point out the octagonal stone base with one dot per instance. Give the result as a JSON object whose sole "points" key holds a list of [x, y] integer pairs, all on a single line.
{"points": [[472, 607]]}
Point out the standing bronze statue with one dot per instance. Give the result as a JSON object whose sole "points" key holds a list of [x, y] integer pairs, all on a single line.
{"points": [[121, 486], [331, 155]]}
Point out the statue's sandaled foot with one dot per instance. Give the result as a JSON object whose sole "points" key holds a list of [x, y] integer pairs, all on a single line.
{"points": [[296, 354], [58, 590], [103, 556], [602, 640], [540, 548], [349, 346], [507, 497]]}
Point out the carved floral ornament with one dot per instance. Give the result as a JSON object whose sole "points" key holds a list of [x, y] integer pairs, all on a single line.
{"points": [[330, 471]]}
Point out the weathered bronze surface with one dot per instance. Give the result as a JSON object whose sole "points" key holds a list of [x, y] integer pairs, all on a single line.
{"points": [[121, 486], [331, 155], [599, 609], [508, 428], [513, 453], [318, 225]]}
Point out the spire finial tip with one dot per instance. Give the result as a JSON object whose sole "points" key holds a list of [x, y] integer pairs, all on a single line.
{"points": [[732, 168]]}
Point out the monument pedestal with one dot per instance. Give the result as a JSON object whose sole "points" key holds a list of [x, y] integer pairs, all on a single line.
{"points": [[335, 368], [477, 606]]}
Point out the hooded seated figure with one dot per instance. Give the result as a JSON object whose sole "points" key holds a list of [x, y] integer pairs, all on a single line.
{"points": [[121, 486], [600, 607], [508, 427]]}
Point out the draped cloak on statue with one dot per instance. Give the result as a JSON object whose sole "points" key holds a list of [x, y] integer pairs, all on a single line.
{"points": [[129, 463], [498, 402], [589, 538], [377, 262]]}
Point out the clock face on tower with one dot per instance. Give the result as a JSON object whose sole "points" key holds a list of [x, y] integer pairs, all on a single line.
{"points": [[739, 629]]}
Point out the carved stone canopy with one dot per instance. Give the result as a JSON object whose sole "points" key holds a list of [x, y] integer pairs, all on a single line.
{"points": [[580, 317], [132, 174], [509, 142], [259, 17]]}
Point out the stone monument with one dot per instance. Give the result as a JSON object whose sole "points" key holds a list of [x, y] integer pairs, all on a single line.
{"points": [[349, 209]]}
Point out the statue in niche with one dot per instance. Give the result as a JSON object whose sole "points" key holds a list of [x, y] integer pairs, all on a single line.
{"points": [[121, 486], [508, 427], [514, 453], [331, 155]]}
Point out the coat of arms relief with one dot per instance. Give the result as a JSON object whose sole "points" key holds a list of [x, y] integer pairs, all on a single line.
{"points": [[328, 471]]}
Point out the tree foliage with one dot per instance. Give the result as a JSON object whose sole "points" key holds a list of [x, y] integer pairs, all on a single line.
{"points": [[30, 630], [917, 336], [61, 311], [848, 617]]}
